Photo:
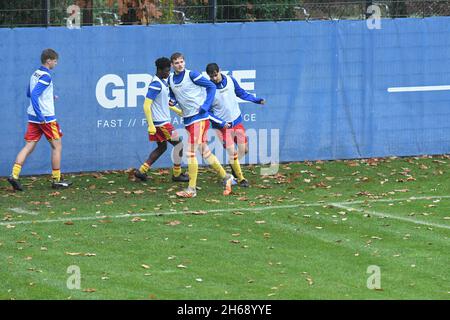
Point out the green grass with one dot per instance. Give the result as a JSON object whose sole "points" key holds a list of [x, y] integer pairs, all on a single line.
{"points": [[309, 232]]}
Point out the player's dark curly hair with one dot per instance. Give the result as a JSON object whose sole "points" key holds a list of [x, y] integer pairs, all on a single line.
{"points": [[211, 68], [162, 63]]}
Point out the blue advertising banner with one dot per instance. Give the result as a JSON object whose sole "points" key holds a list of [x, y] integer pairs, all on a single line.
{"points": [[334, 89]]}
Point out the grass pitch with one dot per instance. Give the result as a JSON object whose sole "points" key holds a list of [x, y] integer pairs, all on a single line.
{"points": [[309, 232]]}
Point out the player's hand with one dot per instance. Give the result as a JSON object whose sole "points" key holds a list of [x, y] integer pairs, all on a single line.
{"points": [[263, 101], [151, 130], [176, 110], [55, 97], [172, 103]]}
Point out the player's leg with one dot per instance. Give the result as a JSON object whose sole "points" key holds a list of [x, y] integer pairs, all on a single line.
{"points": [[177, 156], [223, 134], [56, 150], [241, 140], [212, 160], [20, 160], [195, 132], [154, 155], [32, 137], [242, 149], [160, 137], [177, 153], [229, 136], [236, 166], [53, 134], [191, 190]]}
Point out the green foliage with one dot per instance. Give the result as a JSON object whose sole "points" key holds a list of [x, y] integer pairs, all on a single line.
{"points": [[167, 11], [233, 10], [21, 13]]}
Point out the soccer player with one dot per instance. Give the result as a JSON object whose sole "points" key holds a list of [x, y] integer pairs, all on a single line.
{"points": [[226, 107], [41, 121], [156, 108], [194, 94]]}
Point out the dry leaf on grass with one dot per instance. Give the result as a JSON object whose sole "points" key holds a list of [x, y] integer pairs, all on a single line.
{"points": [[199, 212], [310, 280], [81, 254], [173, 223]]}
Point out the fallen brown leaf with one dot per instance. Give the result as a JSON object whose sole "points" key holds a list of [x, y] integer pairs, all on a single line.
{"points": [[199, 212], [173, 223]]}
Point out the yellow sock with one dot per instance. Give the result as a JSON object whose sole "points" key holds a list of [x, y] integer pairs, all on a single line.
{"points": [[56, 175], [16, 170], [176, 170], [144, 168], [237, 167], [215, 164], [193, 171]]}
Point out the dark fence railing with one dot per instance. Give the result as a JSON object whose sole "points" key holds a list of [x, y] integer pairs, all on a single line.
{"points": [[58, 13]]}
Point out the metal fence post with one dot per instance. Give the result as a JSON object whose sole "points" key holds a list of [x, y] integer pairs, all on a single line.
{"points": [[47, 5], [213, 11]]}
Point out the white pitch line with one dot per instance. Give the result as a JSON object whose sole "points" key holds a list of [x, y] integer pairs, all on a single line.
{"points": [[395, 200], [387, 215], [168, 213], [23, 211], [419, 88], [265, 208]]}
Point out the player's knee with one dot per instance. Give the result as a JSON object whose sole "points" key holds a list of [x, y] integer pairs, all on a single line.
{"points": [[176, 143], [162, 146], [177, 140], [231, 152], [242, 150], [193, 147], [28, 149], [56, 145], [205, 149]]}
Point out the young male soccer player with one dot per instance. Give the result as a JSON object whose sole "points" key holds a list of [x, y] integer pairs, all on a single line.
{"points": [[41, 121], [226, 107], [188, 90], [156, 108]]}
